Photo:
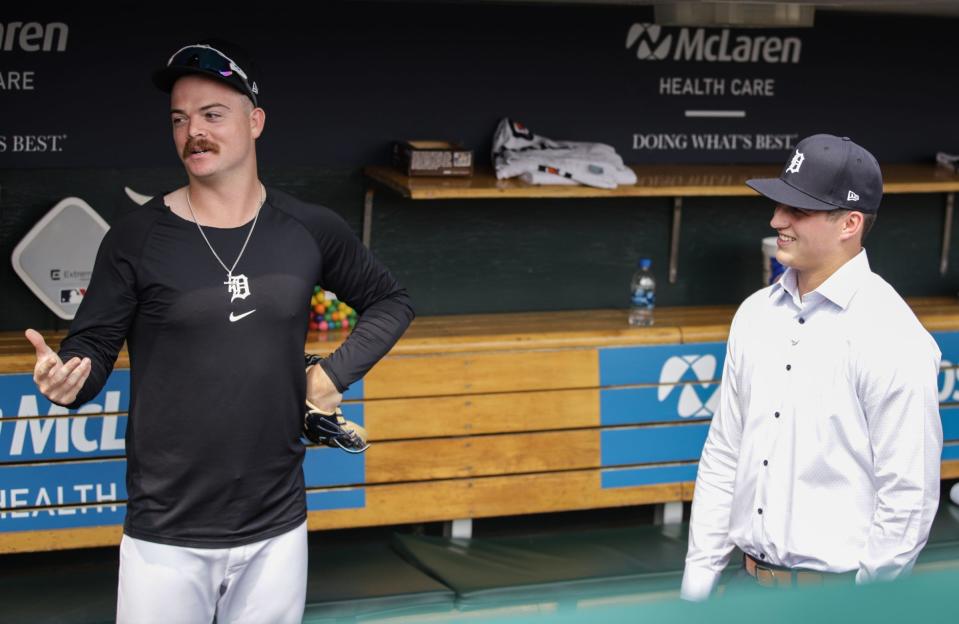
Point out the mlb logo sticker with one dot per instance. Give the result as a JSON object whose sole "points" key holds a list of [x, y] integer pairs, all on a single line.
{"points": [[72, 295]]}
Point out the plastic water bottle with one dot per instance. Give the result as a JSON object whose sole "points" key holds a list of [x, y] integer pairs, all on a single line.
{"points": [[643, 292]]}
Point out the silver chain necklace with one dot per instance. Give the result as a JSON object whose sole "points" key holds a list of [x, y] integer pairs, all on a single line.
{"points": [[238, 286]]}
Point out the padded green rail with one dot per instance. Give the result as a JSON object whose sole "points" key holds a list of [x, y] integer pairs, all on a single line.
{"points": [[606, 575]]}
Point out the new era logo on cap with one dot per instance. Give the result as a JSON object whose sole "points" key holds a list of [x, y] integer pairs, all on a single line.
{"points": [[820, 174]]}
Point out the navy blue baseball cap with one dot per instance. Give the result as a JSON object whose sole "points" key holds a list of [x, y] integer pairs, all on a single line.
{"points": [[826, 172], [214, 58]]}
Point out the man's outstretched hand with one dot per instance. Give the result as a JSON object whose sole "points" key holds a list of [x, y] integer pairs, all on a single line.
{"points": [[57, 381]]}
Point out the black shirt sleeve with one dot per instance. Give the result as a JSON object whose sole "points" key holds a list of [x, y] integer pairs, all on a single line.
{"points": [[351, 271], [108, 307], [383, 306]]}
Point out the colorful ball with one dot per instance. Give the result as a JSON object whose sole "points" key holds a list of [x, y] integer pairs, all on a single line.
{"points": [[328, 313]]}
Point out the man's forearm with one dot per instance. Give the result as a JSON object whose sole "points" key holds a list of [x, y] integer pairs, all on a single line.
{"points": [[379, 327]]}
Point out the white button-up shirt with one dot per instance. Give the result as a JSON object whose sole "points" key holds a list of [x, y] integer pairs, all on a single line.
{"points": [[825, 450]]}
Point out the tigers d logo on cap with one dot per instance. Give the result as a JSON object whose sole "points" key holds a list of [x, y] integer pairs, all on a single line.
{"points": [[826, 172], [796, 162]]}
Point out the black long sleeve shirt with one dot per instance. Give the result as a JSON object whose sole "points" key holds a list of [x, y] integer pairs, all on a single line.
{"points": [[214, 455]]}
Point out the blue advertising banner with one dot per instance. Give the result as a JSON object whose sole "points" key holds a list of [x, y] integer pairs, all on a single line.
{"points": [[647, 445], [950, 423], [632, 477], [673, 402], [950, 451], [949, 345], [97, 430], [55, 485], [685, 378], [665, 364], [85, 433], [650, 401]]}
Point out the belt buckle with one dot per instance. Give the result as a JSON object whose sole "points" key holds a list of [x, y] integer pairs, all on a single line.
{"points": [[767, 578]]}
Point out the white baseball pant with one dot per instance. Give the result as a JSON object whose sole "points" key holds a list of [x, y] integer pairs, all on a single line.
{"points": [[260, 582]]}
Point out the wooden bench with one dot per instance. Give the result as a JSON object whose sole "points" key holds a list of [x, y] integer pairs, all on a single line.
{"points": [[470, 416]]}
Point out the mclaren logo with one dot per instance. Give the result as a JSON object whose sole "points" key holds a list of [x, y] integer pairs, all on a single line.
{"points": [[651, 47], [696, 398], [710, 45], [33, 37]]}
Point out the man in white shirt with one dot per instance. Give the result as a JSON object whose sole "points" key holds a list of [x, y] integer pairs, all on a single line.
{"points": [[823, 457]]}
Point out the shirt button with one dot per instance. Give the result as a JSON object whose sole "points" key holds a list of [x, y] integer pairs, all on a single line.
{"points": [[801, 320], [762, 555], [789, 367], [776, 414], [765, 462], [760, 511]]}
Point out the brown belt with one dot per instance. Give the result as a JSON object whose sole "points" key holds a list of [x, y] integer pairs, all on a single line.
{"points": [[775, 576]]}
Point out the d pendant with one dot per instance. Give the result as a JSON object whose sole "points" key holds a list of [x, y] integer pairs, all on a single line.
{"points": [[238, 286]]}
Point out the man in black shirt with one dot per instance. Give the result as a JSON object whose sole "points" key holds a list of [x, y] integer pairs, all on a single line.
{"points": [[210, 287]]}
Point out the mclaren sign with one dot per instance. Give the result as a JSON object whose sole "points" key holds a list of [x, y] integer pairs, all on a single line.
{"points": [[707, 45]]}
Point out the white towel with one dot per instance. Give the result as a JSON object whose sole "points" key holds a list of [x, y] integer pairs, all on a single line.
{"points": [[519, 152]]}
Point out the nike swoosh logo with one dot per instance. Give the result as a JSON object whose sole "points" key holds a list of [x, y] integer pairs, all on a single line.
{"points": [[236, 317]]}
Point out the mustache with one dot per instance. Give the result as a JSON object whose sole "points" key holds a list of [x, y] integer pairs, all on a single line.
{"points": [[199, 144]]}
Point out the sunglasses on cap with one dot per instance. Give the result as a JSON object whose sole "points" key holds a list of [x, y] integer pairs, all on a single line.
{"points": [[208, 58]]}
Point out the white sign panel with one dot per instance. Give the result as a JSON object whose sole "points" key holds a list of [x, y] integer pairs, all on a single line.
{"points": [[55, 259]]}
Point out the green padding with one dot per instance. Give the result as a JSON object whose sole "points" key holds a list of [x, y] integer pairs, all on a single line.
{"points": [[75, 586], [641, 563], [623, 575], [369, 580], [945, 529], [926, 597], [942, 550], [568, 567]]}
